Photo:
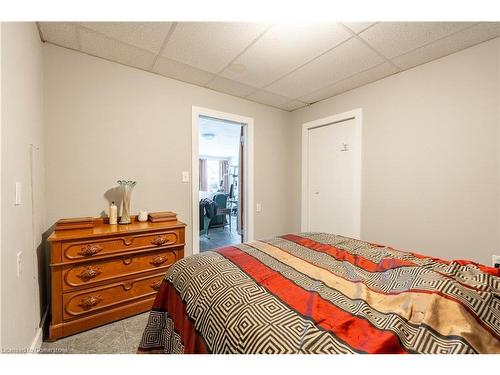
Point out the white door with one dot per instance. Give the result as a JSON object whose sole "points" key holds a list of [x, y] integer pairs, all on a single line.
{"points": [[334, 179]]}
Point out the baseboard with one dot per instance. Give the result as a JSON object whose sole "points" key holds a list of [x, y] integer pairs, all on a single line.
{"points": [[36, 344], [44, 318], [37, 341]]}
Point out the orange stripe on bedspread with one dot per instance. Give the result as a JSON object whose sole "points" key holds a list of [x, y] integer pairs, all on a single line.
{"points": [[463, 262], [355, 332], [342, 255], [454, 318]]}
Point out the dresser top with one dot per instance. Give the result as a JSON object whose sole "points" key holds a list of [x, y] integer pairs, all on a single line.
{"points": [[101, 229]]}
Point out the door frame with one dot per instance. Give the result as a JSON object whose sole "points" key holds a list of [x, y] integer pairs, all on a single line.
{"points": [[356, 115], [248, 184]]}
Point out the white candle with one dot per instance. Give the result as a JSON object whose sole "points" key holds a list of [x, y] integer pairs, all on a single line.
{"points": [[113, 213]]}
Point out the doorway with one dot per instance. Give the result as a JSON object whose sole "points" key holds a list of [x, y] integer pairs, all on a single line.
{"points": [[331, 175], [222, 179]]}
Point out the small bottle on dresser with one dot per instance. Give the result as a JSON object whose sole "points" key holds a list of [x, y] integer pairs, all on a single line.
{"points": [[113, 213]]}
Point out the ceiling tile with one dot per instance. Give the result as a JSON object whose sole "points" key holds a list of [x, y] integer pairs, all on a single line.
{"points": [[198, 49], [146, 35], [360, 79], [230, 87], [284, 48], [99, 45], [395, 38], [61, 33], [210, 46], [343, 61], [293, 105], [453, 43], [268, 98], [181, 72], [358, 27]]}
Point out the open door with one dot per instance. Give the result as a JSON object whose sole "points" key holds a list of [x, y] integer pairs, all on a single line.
{"points": [[222, 186], [241, 196]]}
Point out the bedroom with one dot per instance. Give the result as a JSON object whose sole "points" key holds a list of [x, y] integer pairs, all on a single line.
{"points": [[85, 104]]}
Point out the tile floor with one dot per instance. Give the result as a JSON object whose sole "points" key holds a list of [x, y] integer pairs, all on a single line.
{"points": [[218, 237], [120, 337]]}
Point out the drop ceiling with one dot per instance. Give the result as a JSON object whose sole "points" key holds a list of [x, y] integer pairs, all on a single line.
{"points": [[287, 66]]}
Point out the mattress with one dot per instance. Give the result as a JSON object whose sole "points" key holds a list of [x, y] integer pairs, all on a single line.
{"points": [[323, 293]]}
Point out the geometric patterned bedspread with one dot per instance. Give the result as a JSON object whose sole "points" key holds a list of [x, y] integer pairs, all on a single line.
{"points": [[322, 293]]}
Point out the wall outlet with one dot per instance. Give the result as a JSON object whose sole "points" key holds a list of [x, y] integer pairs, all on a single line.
{"points": [[258, 207], [496, 261], [19, 263]]}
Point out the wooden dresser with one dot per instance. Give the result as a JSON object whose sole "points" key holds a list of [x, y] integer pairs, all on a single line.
{"points": [[108, 272]]}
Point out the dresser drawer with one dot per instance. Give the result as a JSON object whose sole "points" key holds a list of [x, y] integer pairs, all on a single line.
{"points": [[78, 304], [79, 250], [88, 274]]}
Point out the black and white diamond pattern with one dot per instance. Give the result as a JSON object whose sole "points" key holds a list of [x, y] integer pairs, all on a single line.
{"points": [[236, 315], [405, 330], [160, 334]]}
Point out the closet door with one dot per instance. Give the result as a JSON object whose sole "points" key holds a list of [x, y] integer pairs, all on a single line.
{"points": [[334, 179]]}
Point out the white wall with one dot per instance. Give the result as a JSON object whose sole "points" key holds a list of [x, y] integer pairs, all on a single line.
{"points": [[105, 121], [430, 178], [21, 226]]}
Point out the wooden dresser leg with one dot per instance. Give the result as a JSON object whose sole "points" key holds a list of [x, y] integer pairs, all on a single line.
{"points": [[55, 332]]}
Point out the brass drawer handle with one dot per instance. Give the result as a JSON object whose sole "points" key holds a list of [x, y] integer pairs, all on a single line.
{"points": [[158, 260], [90, 301], [159, 240], [90, 249], [127, 261], [156, 285], [89, 273]]}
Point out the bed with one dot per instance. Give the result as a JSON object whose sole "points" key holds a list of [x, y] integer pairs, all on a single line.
{"points": [[323, 293]]}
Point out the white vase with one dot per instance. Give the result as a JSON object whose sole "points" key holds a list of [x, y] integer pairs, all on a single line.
{"points": [[126, 187]]}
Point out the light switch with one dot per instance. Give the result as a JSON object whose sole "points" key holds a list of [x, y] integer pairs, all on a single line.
{"points": [[18, 194], [258, 207], [185, 176]]}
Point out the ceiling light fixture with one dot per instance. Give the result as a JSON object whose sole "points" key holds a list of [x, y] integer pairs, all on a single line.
{"points": [[293, 26], [208, 135]]}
